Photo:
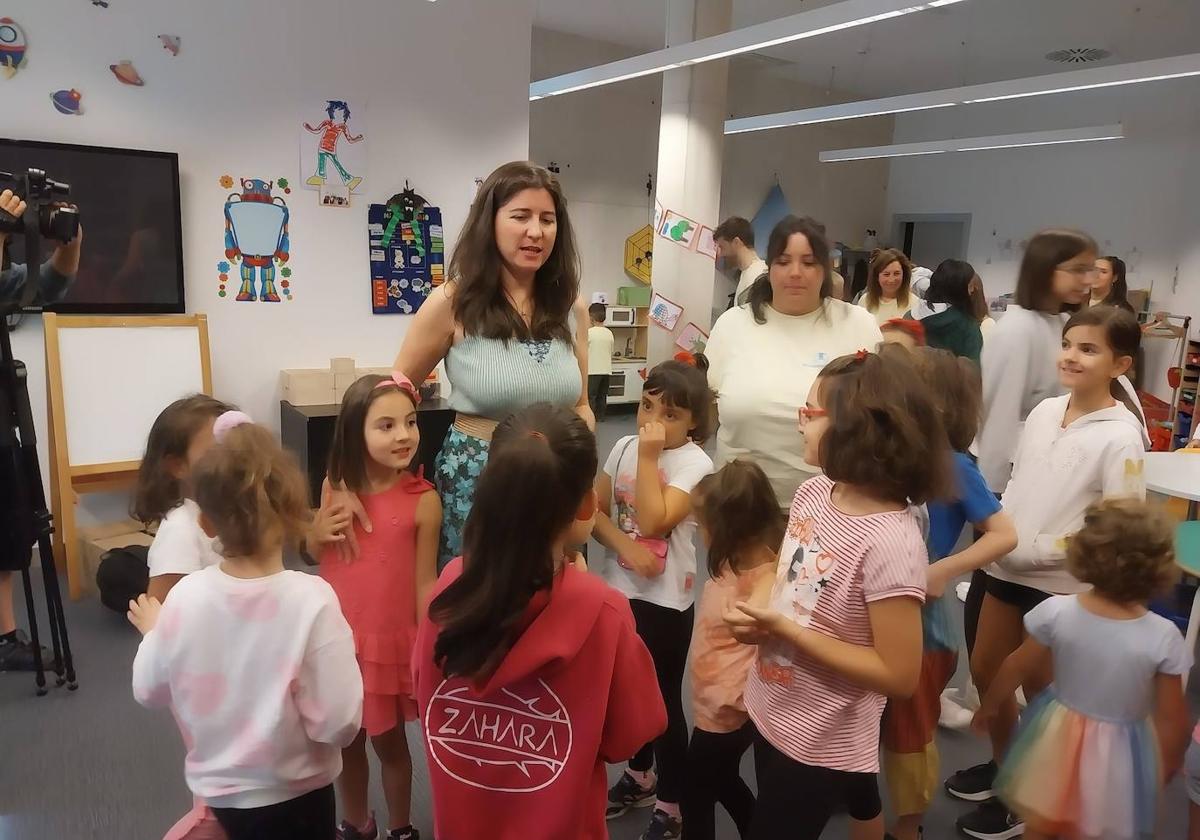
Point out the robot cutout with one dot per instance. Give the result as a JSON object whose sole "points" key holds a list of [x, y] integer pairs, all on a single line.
{"points": [[256, 230]]}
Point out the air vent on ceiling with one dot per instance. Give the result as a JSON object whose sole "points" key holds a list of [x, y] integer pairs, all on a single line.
{"points": [[1078, 55]]}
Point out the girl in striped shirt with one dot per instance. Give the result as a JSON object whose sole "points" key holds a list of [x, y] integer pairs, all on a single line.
{"points": [[839, 629]]}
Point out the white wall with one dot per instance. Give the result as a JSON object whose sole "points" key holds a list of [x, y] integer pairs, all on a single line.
{"points": [[606, 139], [447, 91], [1127, 193]]}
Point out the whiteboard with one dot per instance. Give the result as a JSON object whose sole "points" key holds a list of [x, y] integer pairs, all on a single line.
{"points": [[116, 381]]}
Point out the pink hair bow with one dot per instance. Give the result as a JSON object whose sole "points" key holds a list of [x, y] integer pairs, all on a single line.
{"points": [[403, 383], [229, 420]]}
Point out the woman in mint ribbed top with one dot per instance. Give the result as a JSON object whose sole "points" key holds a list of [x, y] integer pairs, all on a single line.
{"points": [[508, 325]]}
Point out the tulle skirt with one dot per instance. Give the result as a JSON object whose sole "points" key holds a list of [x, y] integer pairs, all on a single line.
{"points": [[1080, 777]]}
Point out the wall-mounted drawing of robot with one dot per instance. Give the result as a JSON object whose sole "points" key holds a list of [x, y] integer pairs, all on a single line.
{"points": [[256, 231]]}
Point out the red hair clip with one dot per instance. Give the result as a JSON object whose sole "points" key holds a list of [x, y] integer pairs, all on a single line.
{"points": [[685, 357], [403, 383], [861, 354]]}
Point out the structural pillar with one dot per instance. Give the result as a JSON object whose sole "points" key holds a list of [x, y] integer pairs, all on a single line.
{"points": [[691, 141]]}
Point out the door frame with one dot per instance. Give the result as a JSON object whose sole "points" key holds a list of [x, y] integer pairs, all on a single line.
{"points": [[899, 220]]}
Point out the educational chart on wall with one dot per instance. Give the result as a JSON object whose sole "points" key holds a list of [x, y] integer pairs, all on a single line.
{"points": [[256, 235], [333, 149], [408, 253]]}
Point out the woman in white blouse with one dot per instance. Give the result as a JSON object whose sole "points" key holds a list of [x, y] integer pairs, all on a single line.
{"points": [[888, 294], [764, 355]]}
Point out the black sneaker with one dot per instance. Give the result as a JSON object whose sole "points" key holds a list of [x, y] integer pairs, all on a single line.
{"points": [[663, 826], [16, 653], [973, 784], [408, 833], [346, 831], [991, 821], [626, 794]]}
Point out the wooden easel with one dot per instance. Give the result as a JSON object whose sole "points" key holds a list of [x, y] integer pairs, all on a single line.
{"points": [[69, 480]]}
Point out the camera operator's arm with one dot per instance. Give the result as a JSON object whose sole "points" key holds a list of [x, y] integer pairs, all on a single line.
{"points": [[57, 273]]}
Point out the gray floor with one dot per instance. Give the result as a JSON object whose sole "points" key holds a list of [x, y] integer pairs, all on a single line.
{"points": [[94, 764]]}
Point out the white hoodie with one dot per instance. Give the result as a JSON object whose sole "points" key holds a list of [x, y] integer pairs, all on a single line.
{"points": [[1057, 474]]}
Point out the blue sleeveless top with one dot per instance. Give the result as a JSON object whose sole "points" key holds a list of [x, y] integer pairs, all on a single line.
{"points": [[493, 378]]}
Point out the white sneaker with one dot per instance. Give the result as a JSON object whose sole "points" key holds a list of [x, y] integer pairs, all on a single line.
{"points": [[953, 715]]}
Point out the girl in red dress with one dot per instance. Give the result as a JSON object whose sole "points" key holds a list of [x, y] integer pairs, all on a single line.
{"points": [[383, 588]]}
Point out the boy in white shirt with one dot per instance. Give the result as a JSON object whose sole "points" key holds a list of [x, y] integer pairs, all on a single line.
{"points": [[600, 353]]}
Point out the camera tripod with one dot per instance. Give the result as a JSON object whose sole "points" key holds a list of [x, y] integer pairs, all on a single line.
{"points": [[24, 519]]}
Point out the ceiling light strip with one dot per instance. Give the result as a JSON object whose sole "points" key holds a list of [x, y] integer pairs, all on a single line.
{"points": [[772, 33], [1090, 134], [1136, 72]]}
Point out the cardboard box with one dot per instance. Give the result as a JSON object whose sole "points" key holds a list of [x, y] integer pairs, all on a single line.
{"points": [[341, 364], [97, 540], [308, 387]]}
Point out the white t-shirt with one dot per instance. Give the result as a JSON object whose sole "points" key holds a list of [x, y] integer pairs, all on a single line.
{"points": [[261, 676], [762, 374], [746, 279], [180, 547], [886, 310], [600, 350], [681, 468]]}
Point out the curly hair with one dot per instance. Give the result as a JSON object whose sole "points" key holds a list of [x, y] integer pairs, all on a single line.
{"points": [[885, 431], [1125, 549], [252, 492]]}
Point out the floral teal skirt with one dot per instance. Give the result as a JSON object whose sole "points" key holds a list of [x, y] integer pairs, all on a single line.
{"points": [[456, 470]]}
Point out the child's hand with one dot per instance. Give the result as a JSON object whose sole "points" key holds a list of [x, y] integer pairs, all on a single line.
{"points": [[143, 613], [753, 625], [643, 561], [330, 524], [936, 580], [577, 560], [651, 439], [349, 546]]}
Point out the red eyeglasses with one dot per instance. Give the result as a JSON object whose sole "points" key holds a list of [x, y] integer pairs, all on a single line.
{"points": [[807, 414]]}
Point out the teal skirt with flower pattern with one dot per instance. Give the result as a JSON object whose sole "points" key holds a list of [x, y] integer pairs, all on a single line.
{"points": [[456, 470]]}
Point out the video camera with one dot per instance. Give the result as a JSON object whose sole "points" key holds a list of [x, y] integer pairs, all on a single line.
{"points": [[43, 213]]}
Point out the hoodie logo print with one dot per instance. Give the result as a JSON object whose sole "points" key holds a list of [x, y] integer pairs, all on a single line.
{"points": [[517, 740]]}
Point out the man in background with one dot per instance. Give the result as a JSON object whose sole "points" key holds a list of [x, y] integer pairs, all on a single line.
{"points": [[735, 247], [16, 651]]}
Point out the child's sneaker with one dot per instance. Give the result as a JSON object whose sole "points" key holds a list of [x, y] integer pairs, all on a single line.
{"points": [[370, 831], [663, 826], [406, 833], [626, 794], [973, 784]]}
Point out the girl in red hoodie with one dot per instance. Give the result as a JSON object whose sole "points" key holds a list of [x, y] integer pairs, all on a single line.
{"points": [[529, 672]]}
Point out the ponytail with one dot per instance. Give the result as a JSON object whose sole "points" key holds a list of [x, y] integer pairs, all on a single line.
{"points": [[541, 465]]}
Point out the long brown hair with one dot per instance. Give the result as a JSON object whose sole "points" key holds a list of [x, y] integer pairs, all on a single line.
{"points": [[348, 453], [158, 490], [1124, 338], [739, 511], [760, 293], [1045, 252], [885, 431], [480, 305], [875, 291], [251, 491], [956, 386], [541, 465]]}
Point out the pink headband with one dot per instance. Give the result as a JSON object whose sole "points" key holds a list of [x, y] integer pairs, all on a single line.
{"points": [[403, 383], [227, 421]]}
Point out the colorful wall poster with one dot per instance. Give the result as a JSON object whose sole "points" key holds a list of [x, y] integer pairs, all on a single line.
{"points": [[256, 235], [333, 148], [663, 312], [408, 253], [705, 244], [692, 339], [678, 228]]}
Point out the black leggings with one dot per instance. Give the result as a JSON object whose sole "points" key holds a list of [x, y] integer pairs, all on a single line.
{"points": [[973, 605], [796, 800], [668, 635], [718, 758], [312, 816]]}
